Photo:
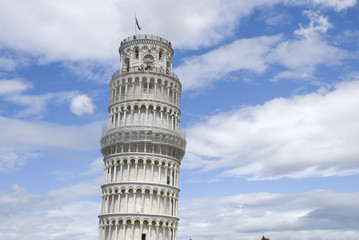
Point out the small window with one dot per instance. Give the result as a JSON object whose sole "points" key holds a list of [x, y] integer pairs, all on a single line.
{"points": [[143, 237]]}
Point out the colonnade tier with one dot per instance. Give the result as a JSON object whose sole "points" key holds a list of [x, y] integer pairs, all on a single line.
{"points": [[115, 188], [137, 227], [154, 201], [111, 161], [138, 113], [142, 85], [141, 170]]}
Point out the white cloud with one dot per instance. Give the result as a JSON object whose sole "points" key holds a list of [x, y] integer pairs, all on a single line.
{"points": [[315, 215], [298, 137], [299, 56], [66, 214], [40, 135], [338, 5], [318, 23], [12, 90], [22, 140], [11, 60], [36, 105], [53, 216], [13, 86], [63, 30], [82, 104], [11, 160], [302, 56], [244, 54], [7, 64], [95, 169], [83, 30], [92, 30], [96, 71]]}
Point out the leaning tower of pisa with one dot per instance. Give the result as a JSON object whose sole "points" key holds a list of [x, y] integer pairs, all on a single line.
{"points": [[142, 144]]}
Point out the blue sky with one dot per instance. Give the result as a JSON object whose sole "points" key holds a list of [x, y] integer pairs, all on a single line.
{"points": [[270, 105]]}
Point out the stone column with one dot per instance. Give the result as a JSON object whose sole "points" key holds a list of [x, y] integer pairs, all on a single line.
{"points": [[141, 226], [128, 170], [103, 204], [121, 169], [105, 177], [148, 88], [142, 202], [116, 232], [126, 201], [113, 202], [158, 202], [133, 231], [115, 172], [151, 201], [149, 230], [157, 226], [171, 177], [166, 173], [159, 172], [120, 91], [100, 233], [110, 231], [124, 116], [119, 117], [151, 177], [109, 121], [144, 171], [126, 90], [164, 204], [135, 201], [136, 168]]}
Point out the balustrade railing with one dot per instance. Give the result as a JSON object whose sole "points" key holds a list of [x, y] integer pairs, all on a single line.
{"points": [[143, 137], [145, 36], [144, 69]]}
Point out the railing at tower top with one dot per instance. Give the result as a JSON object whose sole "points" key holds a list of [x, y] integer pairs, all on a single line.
{"points": [[145, 36], [138, 69]]}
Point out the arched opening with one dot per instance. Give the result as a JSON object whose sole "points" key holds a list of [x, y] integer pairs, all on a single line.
{"points": [[148, 60], [127, 64], [137, 53]]}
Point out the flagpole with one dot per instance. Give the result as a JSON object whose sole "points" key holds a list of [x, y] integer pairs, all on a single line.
{"points": [[135, 26]]}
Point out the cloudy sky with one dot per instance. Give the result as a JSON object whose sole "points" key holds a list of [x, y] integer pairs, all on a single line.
{"points": [[270, 104]]}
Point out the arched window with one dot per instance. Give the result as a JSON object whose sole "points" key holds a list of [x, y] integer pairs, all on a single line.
{"points": [[127, 64], [148, 60], [137, 53]]}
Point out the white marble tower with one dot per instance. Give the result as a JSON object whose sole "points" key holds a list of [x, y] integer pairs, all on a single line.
{"points": [[142, 144]]}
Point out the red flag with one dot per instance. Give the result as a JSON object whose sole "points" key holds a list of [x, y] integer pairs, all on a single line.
{"points": [[137, 24]]}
